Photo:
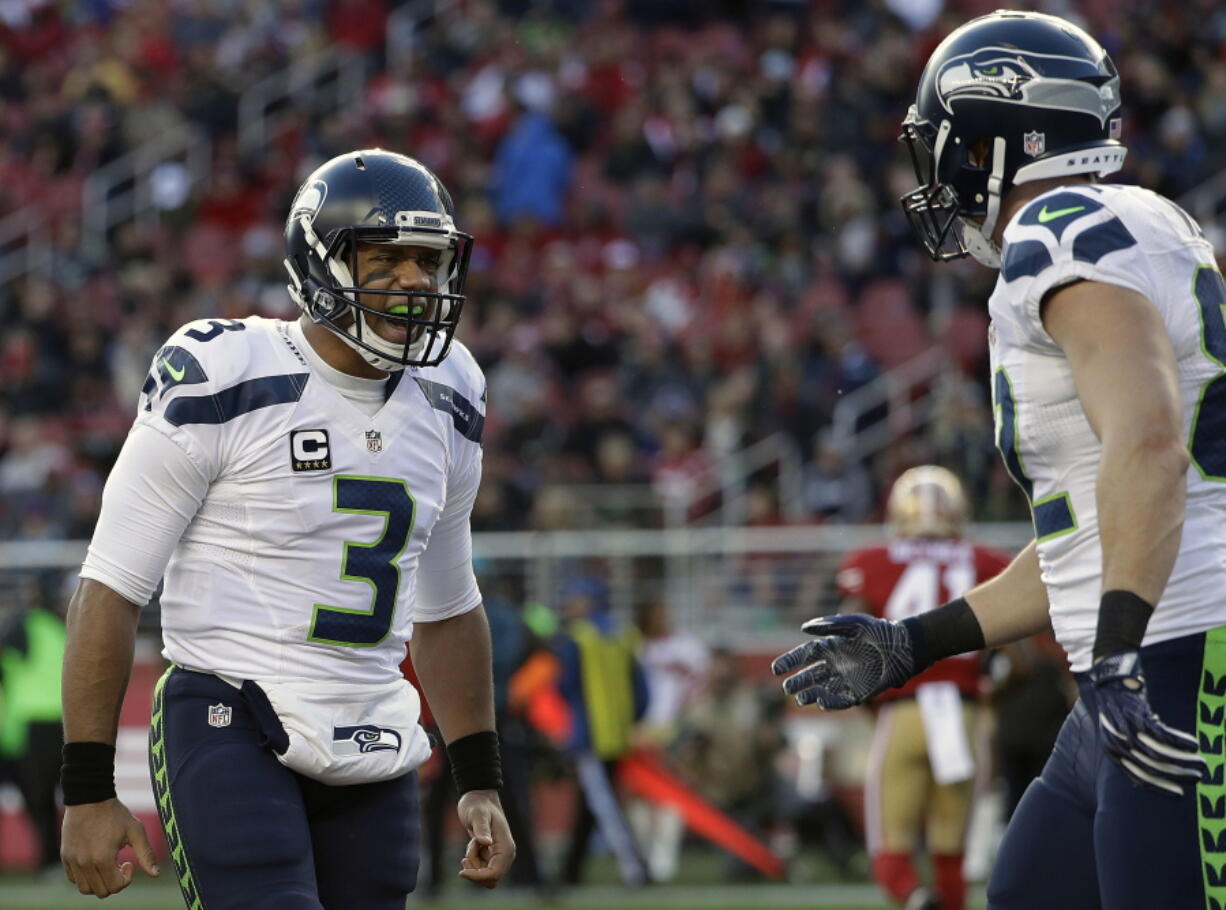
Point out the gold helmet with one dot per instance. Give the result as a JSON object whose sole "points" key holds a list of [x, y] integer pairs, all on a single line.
{"points": [[927, 501]]}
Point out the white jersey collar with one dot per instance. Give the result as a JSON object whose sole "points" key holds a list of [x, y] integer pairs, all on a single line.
{"points": [[356, 389]]}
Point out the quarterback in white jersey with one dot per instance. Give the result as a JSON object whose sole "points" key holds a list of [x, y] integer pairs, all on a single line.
{"points": [[305, 503], [1108, 348], [304, 489]]}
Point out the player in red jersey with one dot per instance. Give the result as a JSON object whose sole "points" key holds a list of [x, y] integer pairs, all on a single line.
{"points": [[921, 767]]}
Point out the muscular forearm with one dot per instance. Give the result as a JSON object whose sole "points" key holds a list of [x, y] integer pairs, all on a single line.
{"points": [[1012, 605], [97, 662], [453, 661], [1140, 494], [1123, 363]]}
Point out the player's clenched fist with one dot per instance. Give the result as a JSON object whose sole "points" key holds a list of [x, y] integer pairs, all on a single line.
{"points": [[93, 835]]}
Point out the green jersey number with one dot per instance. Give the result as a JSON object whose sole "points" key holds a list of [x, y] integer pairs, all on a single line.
{"points": [[376, 563]]}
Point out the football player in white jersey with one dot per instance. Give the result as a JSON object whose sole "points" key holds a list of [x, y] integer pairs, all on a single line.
{"points": [[305, 489], [1108, 351]]}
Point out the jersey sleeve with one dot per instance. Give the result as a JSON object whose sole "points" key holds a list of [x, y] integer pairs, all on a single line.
{"points": [[151, 495], [446, 583], [192, 385], [174, 451], [1059, 238]]}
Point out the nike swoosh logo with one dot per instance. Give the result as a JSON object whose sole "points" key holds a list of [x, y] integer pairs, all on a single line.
{"points": [[176, 375], [1046, 216]]}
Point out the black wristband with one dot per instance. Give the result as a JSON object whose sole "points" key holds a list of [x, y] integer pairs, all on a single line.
{"points": [[1122, 618], [88, 774], [476, 763], [950, 629]]}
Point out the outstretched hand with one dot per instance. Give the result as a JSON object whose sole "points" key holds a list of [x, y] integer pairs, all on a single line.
{"points": [[853, 658], [491, 849], [93, 835]]}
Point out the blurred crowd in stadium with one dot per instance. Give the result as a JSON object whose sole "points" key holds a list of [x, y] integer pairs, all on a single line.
{"points": [[688, 233]]}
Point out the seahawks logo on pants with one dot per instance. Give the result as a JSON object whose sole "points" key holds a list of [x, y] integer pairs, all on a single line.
{"points": [[364, 738]]}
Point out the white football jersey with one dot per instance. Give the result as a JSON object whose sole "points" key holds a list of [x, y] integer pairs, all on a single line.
{"points": [[1134, 238], [311, 552]]}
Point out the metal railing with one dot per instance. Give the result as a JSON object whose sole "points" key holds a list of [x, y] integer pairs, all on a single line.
{"points": [[720, 498], [25, 243], [613, 505], [895, 403], [729, 485], [123, 189], [1207, 202], [745, 587], [323, 83], [900, 401], [405, 21]]}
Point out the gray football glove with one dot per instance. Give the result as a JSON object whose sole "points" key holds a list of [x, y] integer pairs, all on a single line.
{"points": [[853, 658]]}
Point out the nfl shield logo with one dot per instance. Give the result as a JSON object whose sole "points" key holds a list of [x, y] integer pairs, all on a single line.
{"points": [[374, 442], [1034, 144], [219, 715]]}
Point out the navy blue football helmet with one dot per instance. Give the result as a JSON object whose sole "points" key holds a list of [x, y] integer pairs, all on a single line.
{"points": [[376, 196], [1005, 99]]}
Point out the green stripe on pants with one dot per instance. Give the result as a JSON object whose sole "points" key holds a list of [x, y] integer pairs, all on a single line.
{"points": [[161, 793], [1211, 795]]}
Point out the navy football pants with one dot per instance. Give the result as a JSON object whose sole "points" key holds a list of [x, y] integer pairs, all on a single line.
{"points": [[246, 832], [1084, 837]]}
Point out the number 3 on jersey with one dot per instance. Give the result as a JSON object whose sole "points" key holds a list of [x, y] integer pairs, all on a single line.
{"points": [[376, 563]]}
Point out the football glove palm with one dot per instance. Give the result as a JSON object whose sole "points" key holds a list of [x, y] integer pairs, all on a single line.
{"points": [[853, 658]]}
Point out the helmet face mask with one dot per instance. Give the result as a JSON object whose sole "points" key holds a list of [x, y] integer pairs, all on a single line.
{"points": [[377, 197], [1006, 99], [932, 208]]}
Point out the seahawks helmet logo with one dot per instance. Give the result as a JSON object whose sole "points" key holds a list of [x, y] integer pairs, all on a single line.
{"points": [[310, 200], [1049, 81], [364, 738]]}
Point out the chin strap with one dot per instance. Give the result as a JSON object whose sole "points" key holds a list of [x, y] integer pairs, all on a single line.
{"points": [[371, 337], [977, 238], [938, 148], [996, 182], [981, 248]]}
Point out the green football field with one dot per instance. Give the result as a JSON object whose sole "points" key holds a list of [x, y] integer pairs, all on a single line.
{"points": [[699, 885], [21, 892]]}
